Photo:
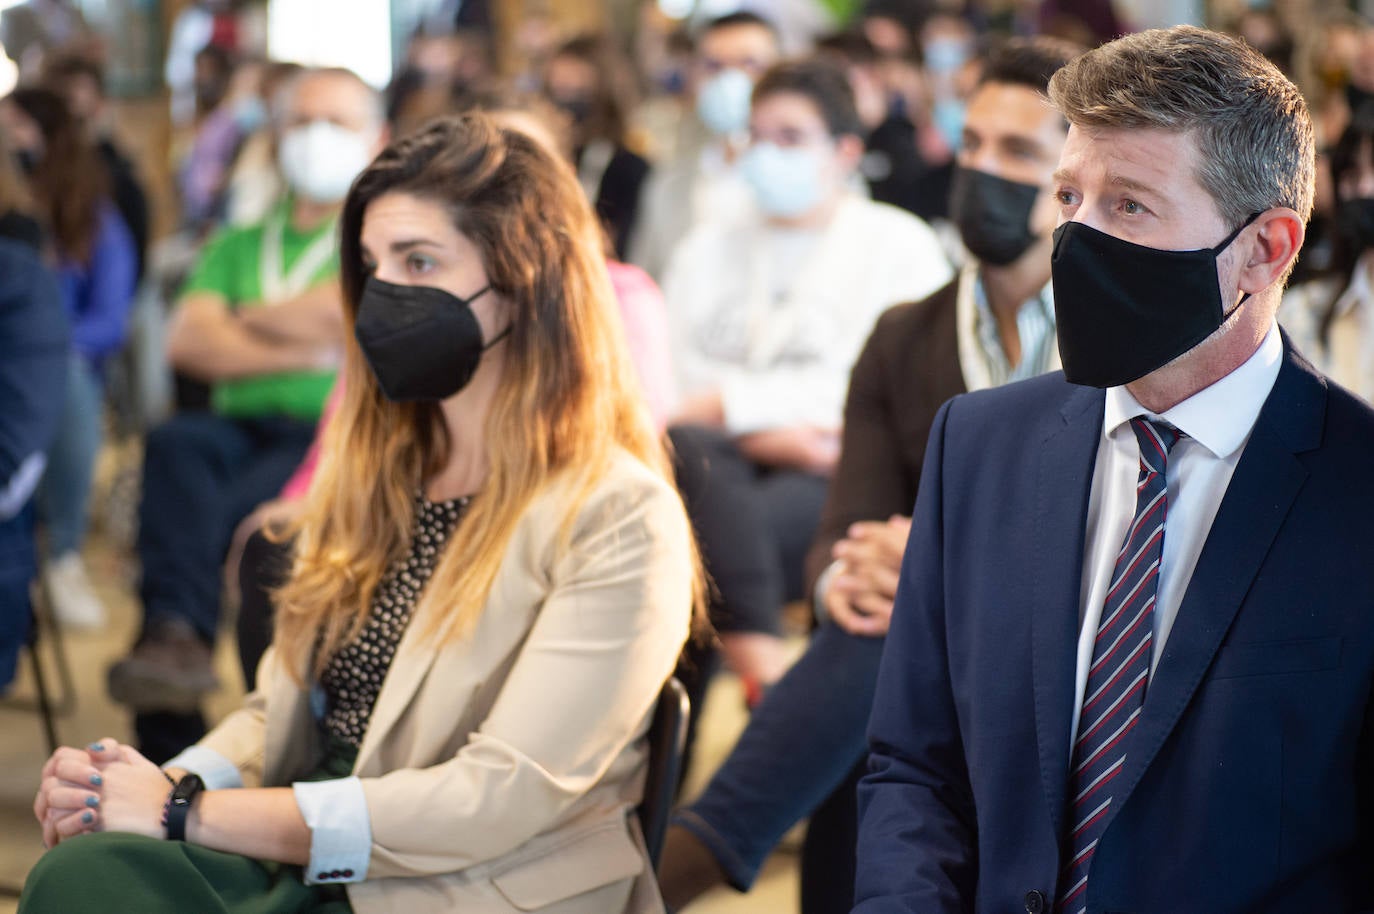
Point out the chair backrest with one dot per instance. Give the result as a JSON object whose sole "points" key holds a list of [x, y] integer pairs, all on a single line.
{"points": [[667, 742]]}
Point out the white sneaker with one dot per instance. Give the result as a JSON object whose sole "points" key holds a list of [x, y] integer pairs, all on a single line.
{"points": [[74, 603]]}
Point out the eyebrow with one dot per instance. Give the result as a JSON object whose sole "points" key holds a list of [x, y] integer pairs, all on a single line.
{"points": [[406, 244], [1115, 180]]}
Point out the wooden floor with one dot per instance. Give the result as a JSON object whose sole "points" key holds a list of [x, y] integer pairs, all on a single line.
{"points": [[22, 749]]}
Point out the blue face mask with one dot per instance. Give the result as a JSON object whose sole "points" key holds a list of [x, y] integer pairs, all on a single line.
{"points": [[948, 117], [249, 114], [723, 102], [945, 55], [786, 182]]}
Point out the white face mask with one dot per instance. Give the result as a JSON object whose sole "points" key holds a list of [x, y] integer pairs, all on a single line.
{"points": [[786, 182], [320, 159]]}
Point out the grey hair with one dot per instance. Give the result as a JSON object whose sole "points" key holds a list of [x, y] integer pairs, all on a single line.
{"points": [[1256, 146]]}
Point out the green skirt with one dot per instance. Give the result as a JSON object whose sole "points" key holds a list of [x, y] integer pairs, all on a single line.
{"points": [[116, 872]]}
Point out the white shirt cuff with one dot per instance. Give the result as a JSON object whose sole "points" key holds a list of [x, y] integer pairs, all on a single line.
{"points": [[215, 770], [340, 829]]}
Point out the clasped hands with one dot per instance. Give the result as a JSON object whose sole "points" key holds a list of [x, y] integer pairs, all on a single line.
{"points": [[868, 564], [107, 786]]}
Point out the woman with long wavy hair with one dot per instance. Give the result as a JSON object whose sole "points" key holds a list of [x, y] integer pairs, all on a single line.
{"points": [[493, 577]]}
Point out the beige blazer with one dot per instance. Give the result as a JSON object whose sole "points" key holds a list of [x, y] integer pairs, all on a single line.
{"points": [[501, 771]]}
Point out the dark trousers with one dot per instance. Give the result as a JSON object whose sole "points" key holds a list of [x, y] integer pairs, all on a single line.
{"points": [[754, 525], [800, 756], [18, 566], [202, 474]]}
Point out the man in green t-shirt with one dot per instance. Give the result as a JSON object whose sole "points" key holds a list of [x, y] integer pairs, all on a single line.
{"points": [[260, 320]]}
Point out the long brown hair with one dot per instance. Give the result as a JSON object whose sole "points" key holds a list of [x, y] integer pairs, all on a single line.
{"points": [[70, 182], [567, 402]]}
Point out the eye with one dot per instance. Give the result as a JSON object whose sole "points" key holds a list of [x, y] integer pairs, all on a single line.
{"points": [[419, 264], [1065, 197], [1132, 208]]}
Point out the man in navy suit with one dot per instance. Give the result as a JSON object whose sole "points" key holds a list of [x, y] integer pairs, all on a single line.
{"points": [[1130, 664]]}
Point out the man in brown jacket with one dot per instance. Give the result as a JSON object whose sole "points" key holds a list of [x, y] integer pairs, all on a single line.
{"points": [[804, 749]]}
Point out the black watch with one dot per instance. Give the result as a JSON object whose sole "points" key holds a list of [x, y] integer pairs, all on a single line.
{"points": [[179, 805]]}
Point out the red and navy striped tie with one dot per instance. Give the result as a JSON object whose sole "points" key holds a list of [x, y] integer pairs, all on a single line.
{"points": [[1120, 669]]}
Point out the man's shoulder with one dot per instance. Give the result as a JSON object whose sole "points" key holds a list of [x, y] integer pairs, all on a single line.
{"points": [[916, 316], [1023, 410]]}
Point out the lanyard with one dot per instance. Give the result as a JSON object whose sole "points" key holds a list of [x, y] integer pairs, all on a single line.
{"points": [[279, 284]]}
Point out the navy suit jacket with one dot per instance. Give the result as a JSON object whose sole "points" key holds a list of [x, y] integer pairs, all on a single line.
{"points": [[1248, 785]]}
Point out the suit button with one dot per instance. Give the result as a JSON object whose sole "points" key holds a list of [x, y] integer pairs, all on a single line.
{"points": [[321, 877], [348, 874], [1035, 902]]}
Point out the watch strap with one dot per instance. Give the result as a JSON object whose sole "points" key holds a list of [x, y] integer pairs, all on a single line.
{"points": [[179, 805]]}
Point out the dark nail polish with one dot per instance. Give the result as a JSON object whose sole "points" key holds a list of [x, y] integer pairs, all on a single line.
{"points": [[96, 780], [93, 802], [88, 817]]}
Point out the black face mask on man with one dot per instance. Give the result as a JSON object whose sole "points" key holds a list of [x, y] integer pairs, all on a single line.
{"points": [[423, 343], [1124, 310], [992, 215]]}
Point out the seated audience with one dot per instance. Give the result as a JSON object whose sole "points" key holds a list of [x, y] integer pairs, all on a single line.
{"points": [[96, 268], [804, 747], [702, 180], [494, 577], [260, 320], [588, 79], [769, 311], [33, 374]]}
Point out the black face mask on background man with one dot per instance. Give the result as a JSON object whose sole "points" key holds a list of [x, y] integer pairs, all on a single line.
{"points": [[423, 343], [992, 215], [1355, 220], [1122, 309]]}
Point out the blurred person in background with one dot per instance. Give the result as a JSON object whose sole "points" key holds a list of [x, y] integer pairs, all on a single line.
{"points": [[1331, 318], [769, 310], [34, 358], [96, 267], [590, 82], [494, 579], [33, 29], [81, 83], [203, 178], [804, 748], [894, 163], [18, 212], [260, 320], [255, 184], [702, 180]]}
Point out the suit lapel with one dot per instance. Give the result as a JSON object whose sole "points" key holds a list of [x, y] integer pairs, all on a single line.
{"points": [[1262, 490], [414, 656], [1063, 480]]}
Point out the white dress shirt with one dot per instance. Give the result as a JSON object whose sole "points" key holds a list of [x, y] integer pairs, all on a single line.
{"points": [[1216, 423]]}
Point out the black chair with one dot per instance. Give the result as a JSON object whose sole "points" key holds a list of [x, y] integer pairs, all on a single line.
{"points": [[667, 744]]}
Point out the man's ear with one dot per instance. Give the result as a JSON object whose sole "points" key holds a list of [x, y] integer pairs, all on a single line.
{"points": [[1274, 241]]}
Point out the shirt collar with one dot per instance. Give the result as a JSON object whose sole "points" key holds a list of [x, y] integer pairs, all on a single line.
{"points": [[1218, 417], [1044, 300]]}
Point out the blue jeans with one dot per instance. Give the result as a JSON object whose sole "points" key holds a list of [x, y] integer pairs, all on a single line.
{"points": [[802, 744], [202, 474], [64, 496]]}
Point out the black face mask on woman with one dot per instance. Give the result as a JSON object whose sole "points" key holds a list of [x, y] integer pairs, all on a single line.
{"points": [[992, 215], [423, 344], [1124, 309]]}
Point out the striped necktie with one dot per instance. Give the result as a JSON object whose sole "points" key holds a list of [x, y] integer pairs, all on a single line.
{"points": [[1120, 671]]}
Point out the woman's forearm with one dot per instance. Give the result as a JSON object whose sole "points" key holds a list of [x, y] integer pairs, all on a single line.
{"points": [[264, 823]]}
